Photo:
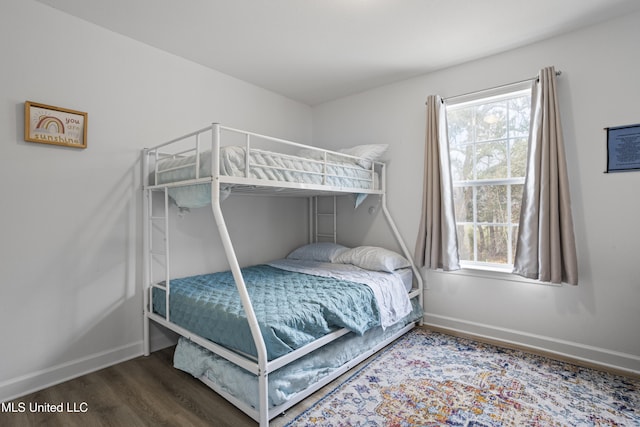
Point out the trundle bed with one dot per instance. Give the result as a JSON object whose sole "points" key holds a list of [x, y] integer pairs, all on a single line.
{"points": [[267, 336]]}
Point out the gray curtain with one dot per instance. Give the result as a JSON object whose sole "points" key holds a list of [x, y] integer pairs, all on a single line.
{"points": [[437, 244], [545, 249]]}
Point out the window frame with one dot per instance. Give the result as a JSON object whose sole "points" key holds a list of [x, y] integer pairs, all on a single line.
{"points": [[482, 98]]}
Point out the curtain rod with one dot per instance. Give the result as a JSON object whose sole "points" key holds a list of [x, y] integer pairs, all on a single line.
{"points": [[495, 87]]}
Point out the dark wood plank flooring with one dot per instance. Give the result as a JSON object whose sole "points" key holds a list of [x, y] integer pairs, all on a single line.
{"points": [[145, 391], [149, 391]]}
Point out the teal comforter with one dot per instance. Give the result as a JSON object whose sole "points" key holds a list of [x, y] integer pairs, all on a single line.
{"points": [[293, 309]]}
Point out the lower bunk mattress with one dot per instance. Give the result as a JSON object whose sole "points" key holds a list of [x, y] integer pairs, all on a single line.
{"points": [[295, 304], [291, 379]]}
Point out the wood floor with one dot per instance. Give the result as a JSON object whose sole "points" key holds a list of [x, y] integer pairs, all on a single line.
{"points": [[145, 391]]}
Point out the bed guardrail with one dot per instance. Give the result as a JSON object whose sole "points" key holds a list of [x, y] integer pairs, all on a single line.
{"points": [[191, 150]]}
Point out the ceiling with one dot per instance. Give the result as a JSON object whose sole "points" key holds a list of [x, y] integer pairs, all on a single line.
{"points": [[313, 51]]}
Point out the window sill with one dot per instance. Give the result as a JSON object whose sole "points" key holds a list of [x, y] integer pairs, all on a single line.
{"points": [[495, 273]]}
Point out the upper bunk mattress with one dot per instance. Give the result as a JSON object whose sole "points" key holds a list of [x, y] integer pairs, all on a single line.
{"points": [[292, 308], [341, 172]]}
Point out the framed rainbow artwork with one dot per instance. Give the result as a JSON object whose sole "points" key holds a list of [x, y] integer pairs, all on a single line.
{"points": [[54, 125]]}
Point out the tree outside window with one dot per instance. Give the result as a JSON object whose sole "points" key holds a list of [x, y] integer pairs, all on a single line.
{"points": [[488, 154]]}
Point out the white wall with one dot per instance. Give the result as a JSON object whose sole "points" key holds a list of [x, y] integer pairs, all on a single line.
{"points": [[70, 221], [600, 319], [70, 263]]}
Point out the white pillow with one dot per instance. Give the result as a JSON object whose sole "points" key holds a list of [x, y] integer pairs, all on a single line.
{"points": [[322, 252], [309, 153], [373, 258], [368, 152]]}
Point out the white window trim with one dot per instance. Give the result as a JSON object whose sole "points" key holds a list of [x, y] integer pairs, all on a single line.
{"points": [[494, 273], [488, 95], [478, 269]]}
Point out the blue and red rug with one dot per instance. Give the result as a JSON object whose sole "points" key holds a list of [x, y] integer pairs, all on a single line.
{"points": [[430, 379]]}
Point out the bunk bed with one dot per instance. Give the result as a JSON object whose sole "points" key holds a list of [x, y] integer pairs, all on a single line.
{"points": [[273, 358]]}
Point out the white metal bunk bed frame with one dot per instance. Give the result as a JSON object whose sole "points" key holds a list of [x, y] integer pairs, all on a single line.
{"points": [[260, 366]]}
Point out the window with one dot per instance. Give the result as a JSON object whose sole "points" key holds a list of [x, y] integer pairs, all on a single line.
{"points": [[488, 151]]}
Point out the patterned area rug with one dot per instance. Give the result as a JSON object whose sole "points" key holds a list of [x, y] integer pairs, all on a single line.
{"points": [[431, 379]]}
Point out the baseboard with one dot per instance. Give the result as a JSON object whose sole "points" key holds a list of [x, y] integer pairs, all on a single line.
{"points": [[48, 377], [576, 353], [44, 378]]}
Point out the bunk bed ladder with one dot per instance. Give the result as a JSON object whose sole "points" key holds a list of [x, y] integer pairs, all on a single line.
{"points": [[158, 226], [322, 228], [324, 224]]}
